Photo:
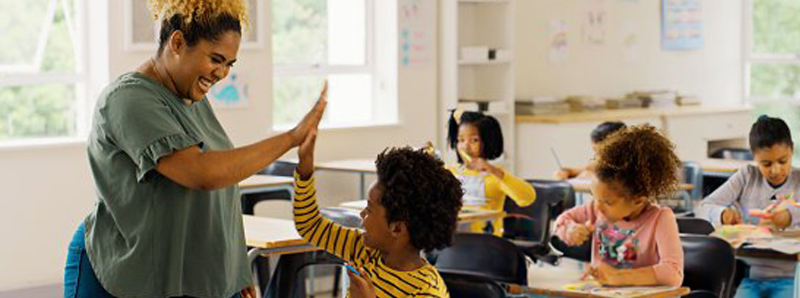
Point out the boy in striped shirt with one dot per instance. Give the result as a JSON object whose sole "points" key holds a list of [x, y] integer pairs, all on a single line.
{"points": [[412, 207]]}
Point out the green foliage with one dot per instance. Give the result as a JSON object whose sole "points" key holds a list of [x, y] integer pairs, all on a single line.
{"points": [[37, 110], [776, 30]]}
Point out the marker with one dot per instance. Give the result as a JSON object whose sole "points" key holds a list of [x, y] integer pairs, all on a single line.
{"points": [[352, 269], [465, 156]]}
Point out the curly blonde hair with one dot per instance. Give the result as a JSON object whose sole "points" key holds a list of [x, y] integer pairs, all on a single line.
{"points": [[641, 160], [192, 10]]}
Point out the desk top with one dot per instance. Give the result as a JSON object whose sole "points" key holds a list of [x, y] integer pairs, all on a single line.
{"points": [[581, 185], [722, 165], [265, 180], [272, 233], [467, 214], [549, 281], [349, 165]]}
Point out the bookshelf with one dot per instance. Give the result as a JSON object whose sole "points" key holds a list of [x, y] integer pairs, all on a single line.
{"points": [[482, 24]]}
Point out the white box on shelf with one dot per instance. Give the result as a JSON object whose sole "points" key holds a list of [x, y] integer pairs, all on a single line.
{"points": [[502, 55], [475, 53]]}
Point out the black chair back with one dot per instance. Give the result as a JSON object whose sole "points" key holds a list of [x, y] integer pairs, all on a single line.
{"points": [[462, 285], [532, 223], [485, 254], [733, 153], [708, 264], [280, 168], [694, 226]]}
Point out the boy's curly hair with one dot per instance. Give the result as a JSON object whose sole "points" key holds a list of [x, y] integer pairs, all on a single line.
{"points": [[198, 19], [419, 191], [641, 160]]}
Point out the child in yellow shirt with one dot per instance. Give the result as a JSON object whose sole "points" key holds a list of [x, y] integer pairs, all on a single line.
{"points": [[412, 207], [478, 138]]}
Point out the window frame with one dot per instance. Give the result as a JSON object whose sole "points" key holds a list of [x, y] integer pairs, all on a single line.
{"points": [[79, 78], [749, 58], [369, 67]]}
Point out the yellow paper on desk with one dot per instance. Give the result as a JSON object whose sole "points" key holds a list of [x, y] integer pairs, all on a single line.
{"points": [[596, 289]]}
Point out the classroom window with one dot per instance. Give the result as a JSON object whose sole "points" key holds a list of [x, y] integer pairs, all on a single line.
{"points": [[772, 60], [314, 40], [42, 76]]}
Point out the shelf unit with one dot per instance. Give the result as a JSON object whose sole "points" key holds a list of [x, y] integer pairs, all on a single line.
{"points": [[478, 23]]}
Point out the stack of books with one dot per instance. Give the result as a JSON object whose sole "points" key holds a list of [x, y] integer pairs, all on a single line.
{"points": [[655, 98], [687, 100], [582, 103], [541, 105], [623, 103]]}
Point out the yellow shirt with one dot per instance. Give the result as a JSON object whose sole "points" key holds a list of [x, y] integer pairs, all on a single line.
{"points": [[348, 244], [495, 190]]}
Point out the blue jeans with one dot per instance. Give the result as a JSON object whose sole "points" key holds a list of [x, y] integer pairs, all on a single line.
{"points": [[766, 288], [79, 278]]}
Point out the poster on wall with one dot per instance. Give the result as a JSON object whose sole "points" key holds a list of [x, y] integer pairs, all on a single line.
{"points": [[681, 25], [559, 44], [416, 39], [229, 93], [630, 41], [595, 21]]}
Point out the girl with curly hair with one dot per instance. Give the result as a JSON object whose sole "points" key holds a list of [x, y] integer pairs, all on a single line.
{"points": [[635, 241]]}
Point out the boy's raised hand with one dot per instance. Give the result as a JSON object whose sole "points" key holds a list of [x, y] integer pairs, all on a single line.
{"points": [[311, 120], [306, 155]]}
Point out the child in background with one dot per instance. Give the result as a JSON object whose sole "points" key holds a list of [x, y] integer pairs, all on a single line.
{"points": [[600, 133], [477, 138], [756, 187], [635, 241], [413, 206]]}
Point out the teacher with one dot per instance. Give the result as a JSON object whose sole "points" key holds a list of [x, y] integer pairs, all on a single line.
{"points": [[168, 222]]}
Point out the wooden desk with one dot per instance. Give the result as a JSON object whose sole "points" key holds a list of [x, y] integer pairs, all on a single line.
{"points": [[581, 185], [466, 215], [549, 281], [264, 183], [271, 236], [717, 165], [360, 166], [774, 255]]}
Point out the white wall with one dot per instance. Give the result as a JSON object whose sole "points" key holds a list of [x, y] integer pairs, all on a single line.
{"points": [[714, 72], [50, 189]]}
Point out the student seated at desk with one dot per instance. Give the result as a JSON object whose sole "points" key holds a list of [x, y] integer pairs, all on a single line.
{"points": [[600, 133], [413, 206], [477, 138], [635, 240], [755, 187]]}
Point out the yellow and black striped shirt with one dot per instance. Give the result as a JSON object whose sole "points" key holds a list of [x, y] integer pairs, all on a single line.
{"points": [[348, 244]]}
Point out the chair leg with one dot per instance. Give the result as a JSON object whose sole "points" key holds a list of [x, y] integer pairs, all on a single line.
{"points": [[337, 276]]}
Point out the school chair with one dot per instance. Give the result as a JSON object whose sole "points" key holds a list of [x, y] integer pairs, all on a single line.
{"points": [[483, 254], [292, 271], [529, 227], [465, 285], [581, 253], [693, 174], [249, 202], [694, 226], [708, 265]]}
